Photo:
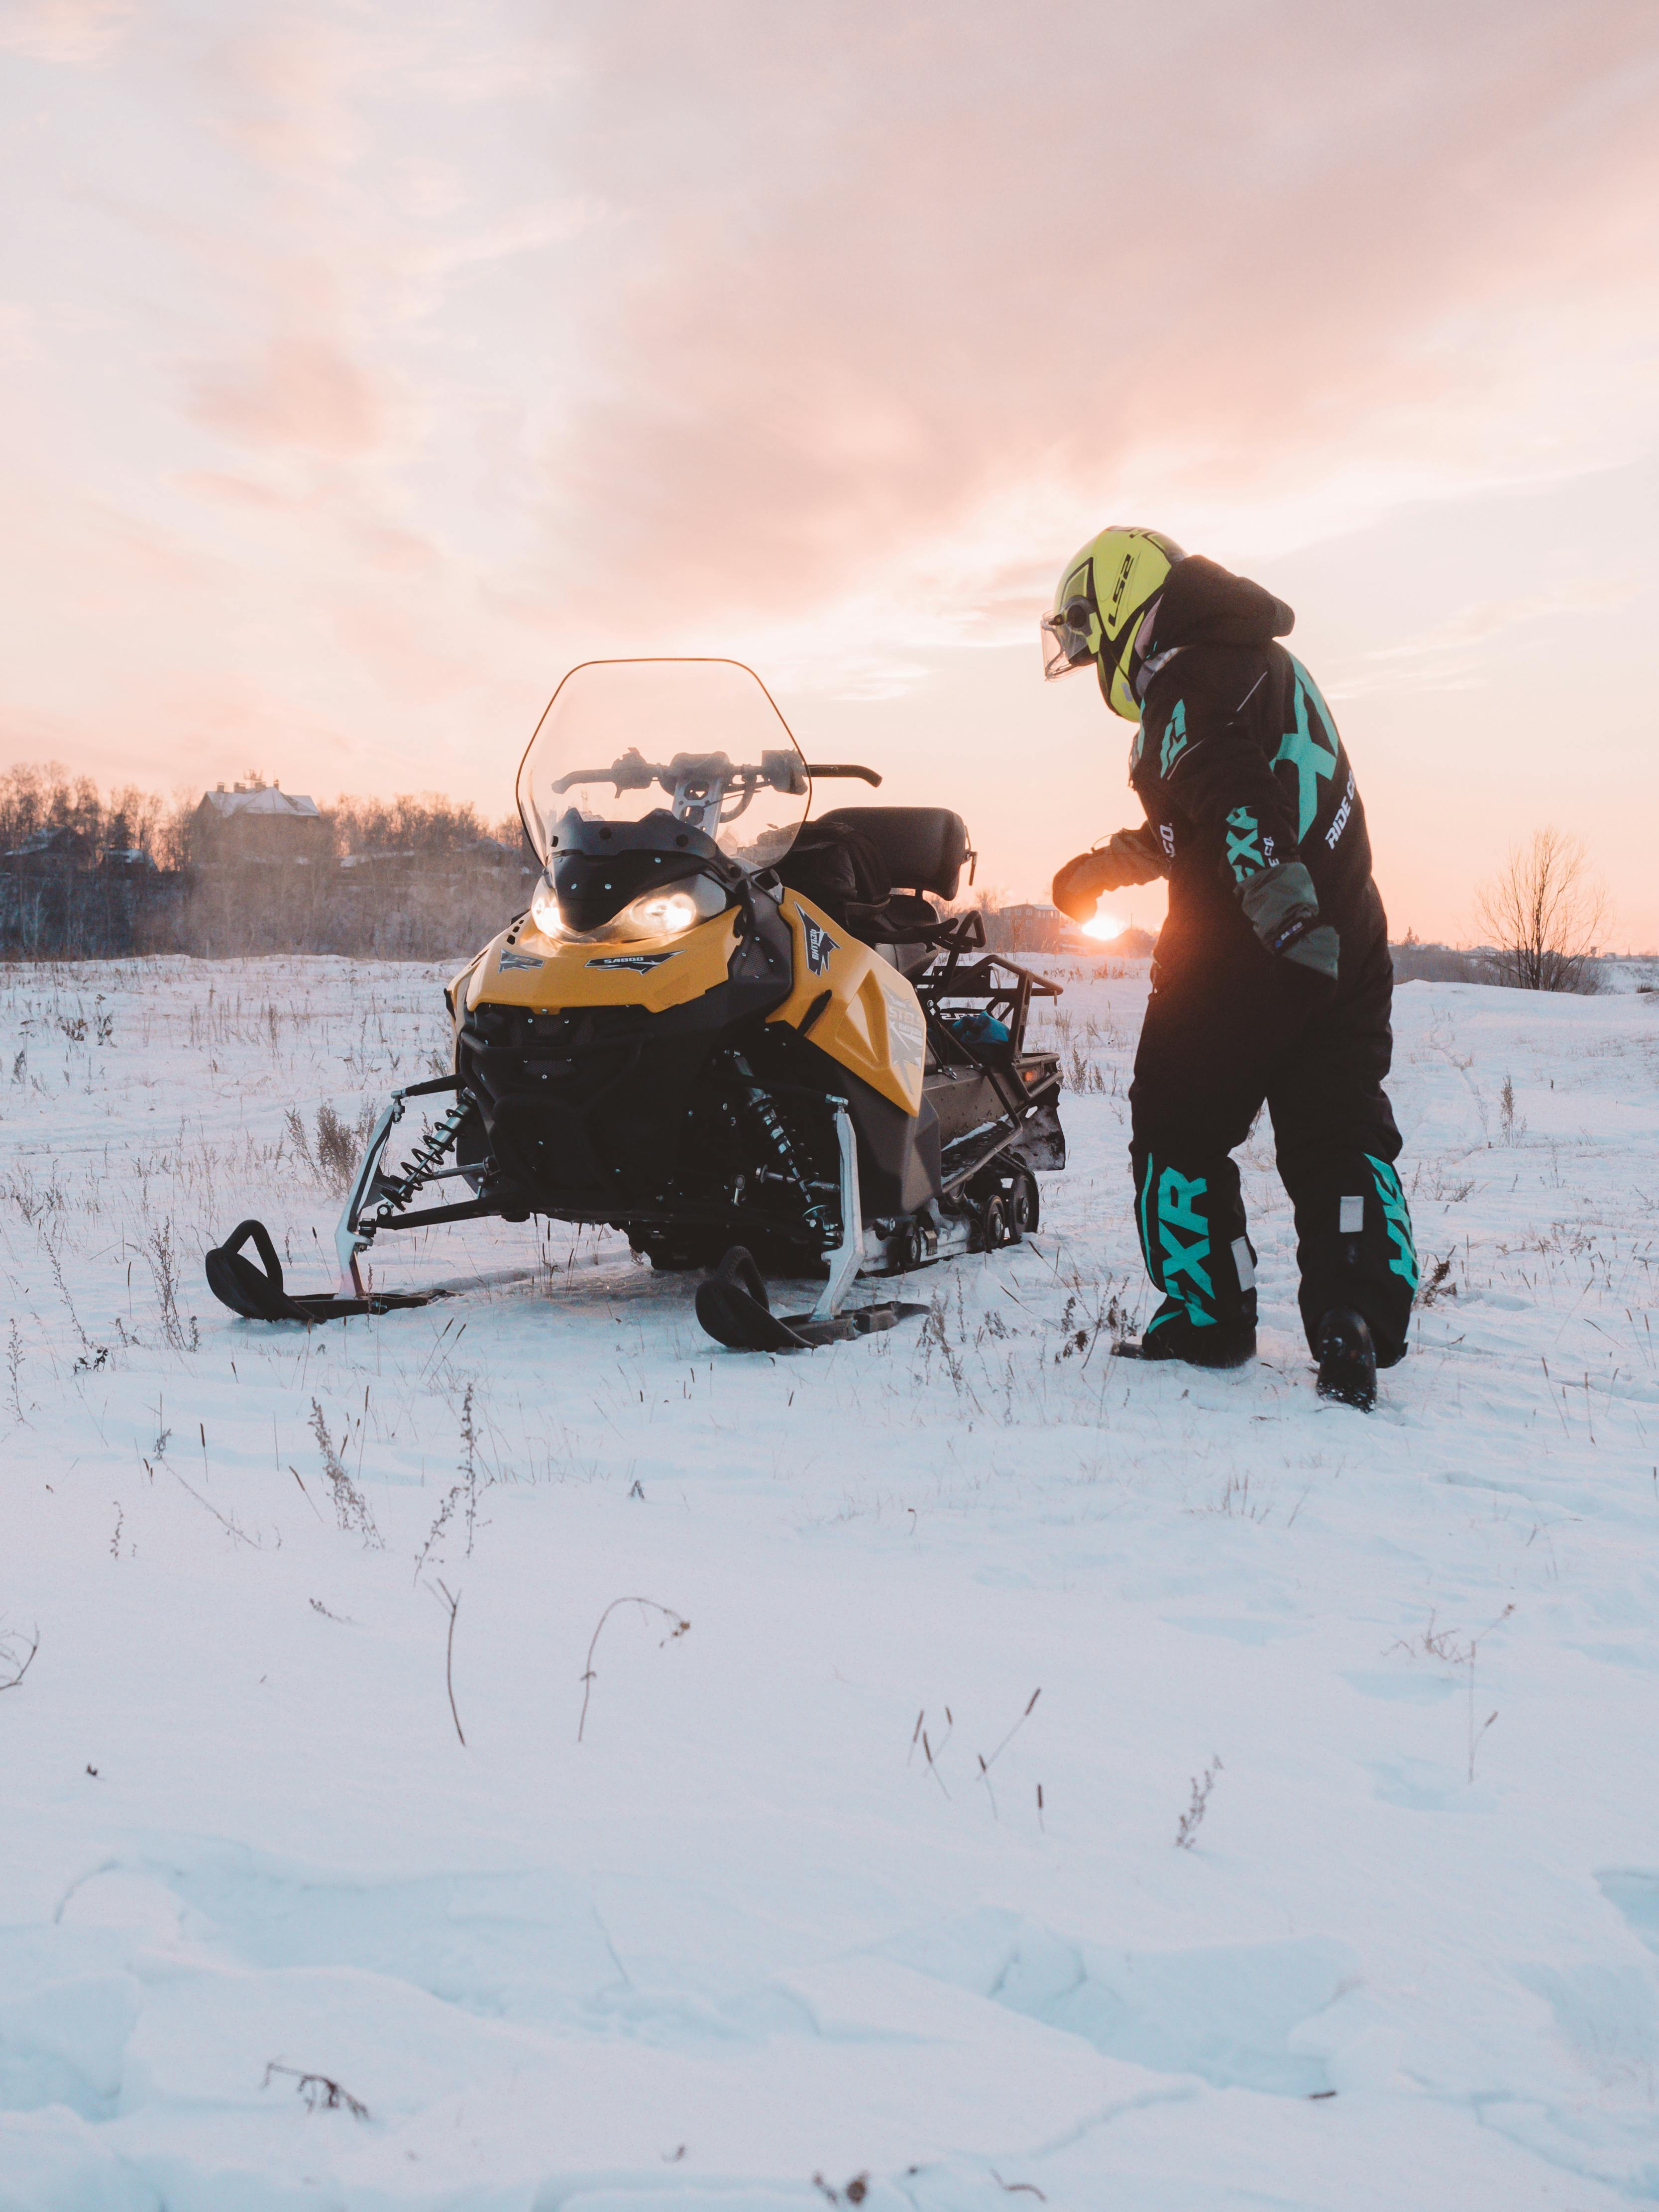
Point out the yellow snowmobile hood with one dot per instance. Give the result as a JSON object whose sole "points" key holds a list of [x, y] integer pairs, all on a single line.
{"points": [[522, 968], [852, 1003]]}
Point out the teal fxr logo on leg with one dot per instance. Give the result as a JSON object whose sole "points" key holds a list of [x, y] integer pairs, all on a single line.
{"points": [[1176, 1262], [1397, 1219]]}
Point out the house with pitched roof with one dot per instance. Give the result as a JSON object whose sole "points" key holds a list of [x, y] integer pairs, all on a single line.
{"points": [[257, 821]]}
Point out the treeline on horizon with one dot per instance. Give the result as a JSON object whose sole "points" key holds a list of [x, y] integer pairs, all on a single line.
{"points": [[43, 795], [89, 875], [407, 877]]}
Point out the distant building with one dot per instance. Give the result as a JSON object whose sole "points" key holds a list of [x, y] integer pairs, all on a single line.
{"points": [[256, 822], [1038, 928], [58, 850]]}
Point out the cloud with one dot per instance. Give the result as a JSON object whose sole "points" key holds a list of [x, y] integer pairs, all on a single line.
{"points": [[67, 32], [1451, 655], [875, 289], [299, 389], [1488, 618]]}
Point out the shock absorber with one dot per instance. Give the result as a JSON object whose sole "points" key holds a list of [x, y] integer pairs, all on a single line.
{"points": [[763, 1107], [395, 1193]]}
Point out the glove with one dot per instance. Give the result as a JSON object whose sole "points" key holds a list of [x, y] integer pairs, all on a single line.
{"points": [[1282, 906], [1133, 856]]}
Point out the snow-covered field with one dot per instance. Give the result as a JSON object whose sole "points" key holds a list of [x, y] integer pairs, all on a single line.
{"points": [[827, 1904]]}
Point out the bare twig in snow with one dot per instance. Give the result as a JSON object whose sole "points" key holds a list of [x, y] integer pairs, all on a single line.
{"points": [[164, 1272], [228, 1522], [321, 2092], [350, 1506], [985, 1765], [454, 1605], [14, 1373], [304, 1492], [12, 1669], [647, 1605], [1192, 1819]]}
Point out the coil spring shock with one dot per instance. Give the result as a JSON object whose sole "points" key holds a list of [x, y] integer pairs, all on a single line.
{"points": [[771, 1122], [429, 1150]]}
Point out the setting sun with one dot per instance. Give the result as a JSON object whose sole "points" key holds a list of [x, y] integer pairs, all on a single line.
{"points": [[1104, 925]]}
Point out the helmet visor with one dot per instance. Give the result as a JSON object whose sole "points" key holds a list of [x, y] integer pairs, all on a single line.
{"points": [[1066, 634]]}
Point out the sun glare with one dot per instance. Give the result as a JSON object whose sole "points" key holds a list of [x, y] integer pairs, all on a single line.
{"points": [[1104, 926]]}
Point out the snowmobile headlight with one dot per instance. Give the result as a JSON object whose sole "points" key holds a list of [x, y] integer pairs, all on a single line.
{"points": [[670, 912], [544, 911], [667, 911]]}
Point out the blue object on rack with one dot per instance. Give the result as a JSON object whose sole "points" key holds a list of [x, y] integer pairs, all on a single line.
{"points": [[980, 1029]]}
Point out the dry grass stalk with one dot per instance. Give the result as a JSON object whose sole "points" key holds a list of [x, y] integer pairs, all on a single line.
{"points": [[321, 2092], [677, 1627], [1192, 1819]]}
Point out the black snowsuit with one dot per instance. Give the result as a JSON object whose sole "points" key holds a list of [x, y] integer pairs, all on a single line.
{"points": [[1240, 769]]}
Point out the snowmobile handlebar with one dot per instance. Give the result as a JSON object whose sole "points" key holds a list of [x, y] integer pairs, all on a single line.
{"points": [[633, 772], [778, 771]]}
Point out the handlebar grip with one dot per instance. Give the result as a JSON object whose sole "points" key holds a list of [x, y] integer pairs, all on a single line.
{"points": [[841, 768]]}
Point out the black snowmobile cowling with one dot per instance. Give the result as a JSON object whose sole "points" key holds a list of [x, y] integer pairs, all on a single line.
{"points": [[748, 1040]]}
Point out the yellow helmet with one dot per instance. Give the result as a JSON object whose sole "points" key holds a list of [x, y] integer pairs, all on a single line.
{"points": [[1102, 596]]}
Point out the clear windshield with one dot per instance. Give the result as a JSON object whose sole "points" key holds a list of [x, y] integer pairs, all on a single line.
{"points": [[699, 739]]}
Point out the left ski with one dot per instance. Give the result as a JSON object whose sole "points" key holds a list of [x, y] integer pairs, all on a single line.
{"points": [[734, 1308]]}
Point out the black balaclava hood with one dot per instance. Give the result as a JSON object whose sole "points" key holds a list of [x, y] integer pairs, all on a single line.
{"points": [[1204, 604]]}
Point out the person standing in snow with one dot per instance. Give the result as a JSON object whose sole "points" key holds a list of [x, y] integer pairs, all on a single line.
{"points": [[1271, 979]]}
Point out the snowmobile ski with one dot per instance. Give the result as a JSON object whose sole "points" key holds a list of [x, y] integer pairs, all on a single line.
{"points": [[258, 1293], [734, 1308]]}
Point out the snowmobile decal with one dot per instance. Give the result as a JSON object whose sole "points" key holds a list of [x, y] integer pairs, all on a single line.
{"points": [[819, 943], [511, 959], [641, 963]]}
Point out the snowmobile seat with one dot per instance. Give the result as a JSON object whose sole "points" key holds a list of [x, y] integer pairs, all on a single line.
{"points": [[921, 848], [856, 862], [836, 867]]}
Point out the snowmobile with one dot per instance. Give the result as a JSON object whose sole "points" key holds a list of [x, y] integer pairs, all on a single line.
{"points": [[751, 1041]]}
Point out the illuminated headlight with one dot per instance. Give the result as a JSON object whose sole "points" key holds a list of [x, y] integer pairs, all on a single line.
{"points": [[669, 912], [544, 911]]}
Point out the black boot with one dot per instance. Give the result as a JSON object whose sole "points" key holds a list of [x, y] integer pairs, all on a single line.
{"points": [[1172, 1334], [1347, 1359]]}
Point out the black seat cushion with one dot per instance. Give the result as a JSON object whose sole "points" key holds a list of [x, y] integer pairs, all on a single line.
{"points": [[834, 867], [921, 848]]}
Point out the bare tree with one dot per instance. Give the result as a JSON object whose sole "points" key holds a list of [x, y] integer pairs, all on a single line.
{"points": [[1544, 912]]}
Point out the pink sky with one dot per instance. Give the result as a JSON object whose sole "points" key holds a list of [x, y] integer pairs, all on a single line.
{"points": [[367, 365]]}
